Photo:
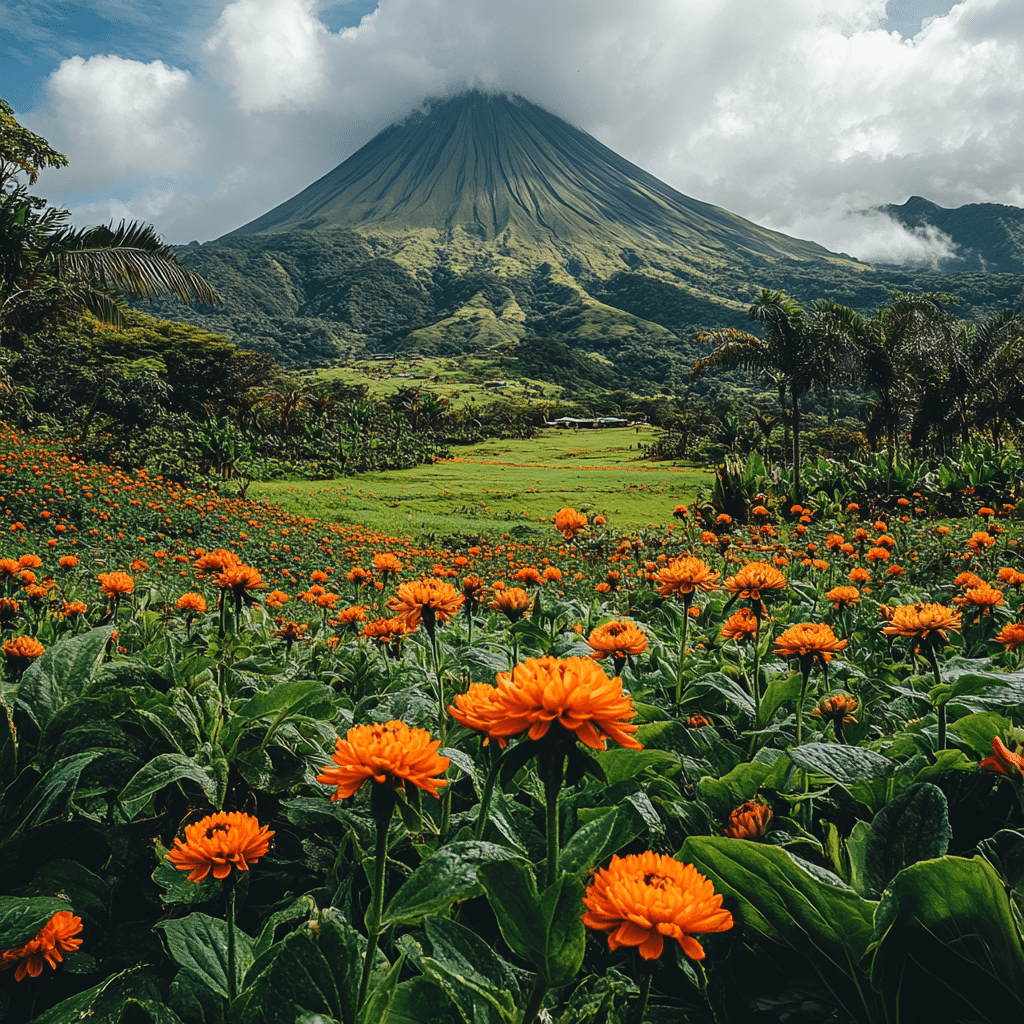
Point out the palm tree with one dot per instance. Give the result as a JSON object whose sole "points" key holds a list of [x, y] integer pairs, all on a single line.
{"points": [[802, 349], [895, 350], [46, 265]]}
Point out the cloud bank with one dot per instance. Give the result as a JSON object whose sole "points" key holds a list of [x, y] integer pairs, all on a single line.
{"points": [[796, 114]]}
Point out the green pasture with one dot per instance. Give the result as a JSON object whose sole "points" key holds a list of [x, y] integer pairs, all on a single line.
{"points": [[504, 486]]}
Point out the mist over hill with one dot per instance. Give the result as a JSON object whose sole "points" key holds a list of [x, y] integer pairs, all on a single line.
{"points": [[485, 222]]}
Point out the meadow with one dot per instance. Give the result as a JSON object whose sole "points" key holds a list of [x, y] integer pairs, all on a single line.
{"points": [[260, 766]]}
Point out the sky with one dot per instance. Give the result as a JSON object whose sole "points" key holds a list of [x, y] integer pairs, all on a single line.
{"points": [[801, 115]]}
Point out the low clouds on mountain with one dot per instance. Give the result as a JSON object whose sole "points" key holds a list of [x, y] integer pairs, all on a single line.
{"points": [[797, 114]]}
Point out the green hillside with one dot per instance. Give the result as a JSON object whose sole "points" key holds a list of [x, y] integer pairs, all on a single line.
{"points": [[484, 221]]}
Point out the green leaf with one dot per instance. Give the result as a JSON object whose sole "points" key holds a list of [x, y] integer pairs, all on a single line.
{"points": [[844, 764], [778, 691], [164, 770], [598, 840], [378, 1002], [284, 699], [50, 798], [978, 730], [301, 909], [445, 878], [21, 919], [742, 783], [61, 674], [946, 945], [199, 944], [105, 1003], [88, 893], [472, 974], [420, 1001], [913, 827], [543, 928], [620, 765], [1005, 852], [786, 912], [177, 888]]}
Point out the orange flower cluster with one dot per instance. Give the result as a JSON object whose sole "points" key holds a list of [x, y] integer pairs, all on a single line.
{"points": [[389, 753], [573, 693], [55, 938], [512, 602], [642, 899], [426, 601], [569, 522], [618, 639], [23, 650], [808, 639], [749, 820], [683, 576], [754, 579], [218, 842], [924, 622], [116, 584], [741, 625]]}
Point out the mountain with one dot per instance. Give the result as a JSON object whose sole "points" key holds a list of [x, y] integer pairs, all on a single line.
{"points": [[485, 222], [983, 236]]}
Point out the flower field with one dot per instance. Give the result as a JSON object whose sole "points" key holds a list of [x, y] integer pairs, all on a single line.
{"points": [[261, 768]]}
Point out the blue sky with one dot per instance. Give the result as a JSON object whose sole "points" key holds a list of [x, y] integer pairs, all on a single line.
{"points": [[799, 114]]}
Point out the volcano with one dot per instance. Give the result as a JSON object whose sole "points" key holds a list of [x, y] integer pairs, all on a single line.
{"points": [[484, 223]]}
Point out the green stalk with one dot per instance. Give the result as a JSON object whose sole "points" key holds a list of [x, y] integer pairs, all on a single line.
{"points": [[535, 1002], [485, 799], [806, 670], [687, 598], [232, 980], [941, 709], [382, 802], [551, 768], [646, 972]]}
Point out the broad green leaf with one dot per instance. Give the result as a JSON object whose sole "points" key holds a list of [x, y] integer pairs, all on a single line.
{"points": [[1005, 852], [177, 888], [447, 877], [742, 783], [378, 1001], [22, 918], [778, 691], [620, 765], [105, 1003], [786, 912], [978, 730], [199, 944], [543, 928], [946, 944], [87, 892], [284, 699], [50, 798], [61, 674], [420, 1001], [912, 827], [162, 771], [844, 764], [301, 909]]}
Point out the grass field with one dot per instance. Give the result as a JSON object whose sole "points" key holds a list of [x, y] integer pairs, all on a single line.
{"points": [[504, 487]]}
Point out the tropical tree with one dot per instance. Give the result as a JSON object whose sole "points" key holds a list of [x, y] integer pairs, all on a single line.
{"points": [[895, 349], [47, 266], [801, 349]]}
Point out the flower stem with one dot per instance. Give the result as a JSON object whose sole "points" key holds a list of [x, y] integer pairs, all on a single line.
{"points": [[536, 1001], [646, 972], [232, 980], [485, 799], [383, 805], [551, 768], [806, 670], [682, 647], [941, 709]]}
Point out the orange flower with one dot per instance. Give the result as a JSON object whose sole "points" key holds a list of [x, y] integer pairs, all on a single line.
{"points": [[239, 579], [1003, 760], [839, 707], [293, 631], [741, 625], [982, 597], [924, 622], [386, 562], [645, 897], [512, 602], [55, 938], [697, 722], [391, 752], [618, 639], [276, 599], [192, 604], [9, 609], [843, 597], [9, 569], [74, 610], [427, 601], [569, 522], [116, 584], [22, 650], [529, 575], [1011, 577], [216, 561], [351, 615], [749, 820], [1012, 635], [808, 639], [573, 692], [554, 575], [478, 708], [683, 576], [68, 562], [755, 578], [218, 841], [968, 579]]}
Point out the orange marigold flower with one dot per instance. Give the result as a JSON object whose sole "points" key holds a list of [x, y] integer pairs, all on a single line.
{"points": [[21, 650], [478, 708], [427, 601], [1011, 635], [68, 562], [530, 575], [808, 639], [618, 639], [741, 625], [9, 569], [859, 575], [1011, 577], [386, 562], [575, 693], [968, 580], [753, 579], [843, 597], [644, 898], [836, 708], [749, 820], [216, 561], [276, 599], [219, 841], [191, 604], [386, 631], [552, 574], [55, 938], [30, 561], [240, 578], [74, 610], [683, 576], [512, 602], [569, 522], [925, 622], [1003, 760], [351, 615], [697, 722], [293, 631], [116, 584], [391, 752], [9, 609], [982, 597]]}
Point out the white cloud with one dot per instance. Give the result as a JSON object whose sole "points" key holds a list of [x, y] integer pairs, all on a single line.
{"points": [[790, 113]]}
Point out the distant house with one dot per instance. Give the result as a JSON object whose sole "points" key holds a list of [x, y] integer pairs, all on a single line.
{"points": [[571, 423], [495, 385]]}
